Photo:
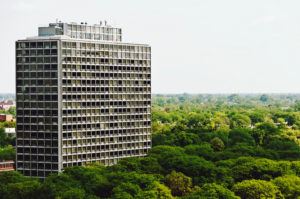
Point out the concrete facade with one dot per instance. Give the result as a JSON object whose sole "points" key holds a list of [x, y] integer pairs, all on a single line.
{"points": [[81, 98]]}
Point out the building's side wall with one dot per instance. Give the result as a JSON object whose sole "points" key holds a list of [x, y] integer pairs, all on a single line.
{"points": [[37, 107], [59, 89], [106, 102]]}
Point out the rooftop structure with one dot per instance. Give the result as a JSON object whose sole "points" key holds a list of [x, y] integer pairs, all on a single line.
{"points": [[83, 31]]}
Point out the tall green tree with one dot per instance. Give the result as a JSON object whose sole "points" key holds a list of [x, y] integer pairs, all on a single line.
{"points": [[288, 185], [256, 189], [179, 183], [211, 191]]}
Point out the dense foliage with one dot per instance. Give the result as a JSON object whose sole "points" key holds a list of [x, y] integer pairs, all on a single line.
{"points": [[10, 111], [204, 146], [7, 152]]}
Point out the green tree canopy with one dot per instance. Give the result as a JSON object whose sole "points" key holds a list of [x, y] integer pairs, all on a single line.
{"points": [[211, 191], [256, 189], [288, 185], [179, 183]]}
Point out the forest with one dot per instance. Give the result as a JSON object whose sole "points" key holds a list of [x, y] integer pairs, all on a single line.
{"points": [[203, 146]]}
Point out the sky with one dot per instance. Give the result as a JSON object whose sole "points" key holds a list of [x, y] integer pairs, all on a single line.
{"points": [[198, 46]]}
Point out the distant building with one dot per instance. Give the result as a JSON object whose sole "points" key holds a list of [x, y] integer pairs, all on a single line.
{"points": [[7, 165], [6, 118], [83, 96], [5, 105], [10, 131]]}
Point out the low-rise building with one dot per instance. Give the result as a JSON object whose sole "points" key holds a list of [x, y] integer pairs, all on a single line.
{"points": [[6, 118], [7, 165], [5, 105], [10, 131]]}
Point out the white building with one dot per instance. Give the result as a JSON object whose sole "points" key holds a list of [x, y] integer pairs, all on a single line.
{"points": [[10, 131]]}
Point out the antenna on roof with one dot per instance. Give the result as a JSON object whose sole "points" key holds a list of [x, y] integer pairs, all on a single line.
{"points": [[100, 23]]}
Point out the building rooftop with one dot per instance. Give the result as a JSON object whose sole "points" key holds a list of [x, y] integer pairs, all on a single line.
{"points": [[101, 31]]}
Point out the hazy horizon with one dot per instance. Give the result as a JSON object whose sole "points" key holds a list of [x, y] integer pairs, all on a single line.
{"points": [[198, 47]]}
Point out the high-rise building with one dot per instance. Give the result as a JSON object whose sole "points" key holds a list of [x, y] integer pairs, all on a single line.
{"points": [[83, 96]]}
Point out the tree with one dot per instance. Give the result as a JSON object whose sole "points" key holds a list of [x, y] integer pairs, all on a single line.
{"points": [[74, 193], [240, 136], [134, 185], [128, 165], [163, 152], [282, 124], [282, 143], [126, 190], [240, 121], [183, 138], [159, 191], [256, 189], [174, 158], [12, 110], [257, 116], [7, 153], [211, 191], [263, 131], [5, 139], [91, 179], [202, 149], [26, 189], [56, 185], [179, 183], [11, 177], [217, 144], [160, 128], [288, 185], [198, 121], [243, 149], [151, 165], [264, 98], [220, 122], [235, 98], [246, 168]]}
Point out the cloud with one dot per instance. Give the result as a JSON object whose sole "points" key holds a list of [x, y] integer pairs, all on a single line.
{"points": [[22, 6], [264, 20]]}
